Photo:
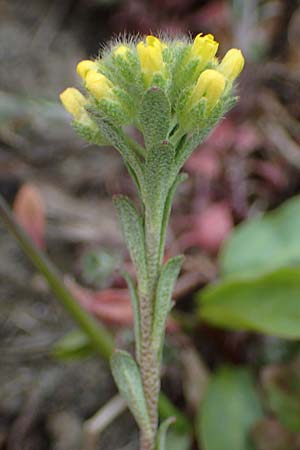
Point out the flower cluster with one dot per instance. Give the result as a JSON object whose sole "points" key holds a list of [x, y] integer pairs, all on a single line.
{"points": [[198, 87]]}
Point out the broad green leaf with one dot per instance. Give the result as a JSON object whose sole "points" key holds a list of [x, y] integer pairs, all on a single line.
{"points": [[228, 412], [128, 379], [264, 243], [158, 176], [269, 303], [155, 116], [74, 345], [133, 232], [162, 433], [136, 312], [162, 306]]}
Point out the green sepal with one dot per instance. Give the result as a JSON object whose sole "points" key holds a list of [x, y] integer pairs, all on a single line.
{"points": [[136, 313], [112, 110], [128, 379], [133, 231], [167, 210], [161, 438], [89, 133], [162, 305], [154, 116], [159, 80], [159, 166]]}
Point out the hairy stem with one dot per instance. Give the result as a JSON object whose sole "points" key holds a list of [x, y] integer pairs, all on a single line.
{"points": [[149, 363]]}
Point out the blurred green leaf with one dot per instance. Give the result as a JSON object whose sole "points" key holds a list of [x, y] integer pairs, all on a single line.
{"points": [[264, 243], [74, 345], [178, 441], [281, 385], [269, 303], [229, 411]]}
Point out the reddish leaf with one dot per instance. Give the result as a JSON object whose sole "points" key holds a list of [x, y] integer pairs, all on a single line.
{"points": [[210, 228], [113, 305], [29, 210]]}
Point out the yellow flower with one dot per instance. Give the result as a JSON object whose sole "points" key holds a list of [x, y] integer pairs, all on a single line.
{"points": [[232, 64], [121, 50], [74, 102], [84, 67], [211, 85], [204, 47], [98, 85], [150, 55]]}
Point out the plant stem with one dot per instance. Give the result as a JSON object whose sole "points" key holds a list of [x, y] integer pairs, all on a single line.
{"points": [[149, 362], [99, 336]]}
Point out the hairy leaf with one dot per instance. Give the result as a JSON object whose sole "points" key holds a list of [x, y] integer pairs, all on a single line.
{"points": [[155, 116], [158, 175], [133, 231], [136, 312], [128, 379], [162, 306]]}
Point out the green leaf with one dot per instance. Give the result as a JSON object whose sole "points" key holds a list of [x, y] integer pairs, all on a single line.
{"points": [[187, 146], [118, 139], [178, 441], [133, 231], [264, 243], [128, 379], [281, 385], [155, 116], [136, 313], [162, 433], [162, 306], [158, 175], [74, 345], [269, 303], [167, 210], [229, 411]]}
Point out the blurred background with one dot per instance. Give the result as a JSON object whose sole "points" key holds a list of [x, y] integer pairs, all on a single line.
{"points": [[60, 189]]}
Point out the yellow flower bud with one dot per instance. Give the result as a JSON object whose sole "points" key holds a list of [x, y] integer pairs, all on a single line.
{"points": [[121, 50], [84, 67], [150, 55], [153, 41], [211, 85], [98, 85], [204, 47], [232, 64], [74, 102]]}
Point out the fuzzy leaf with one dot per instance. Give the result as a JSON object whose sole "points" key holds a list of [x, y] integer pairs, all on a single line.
{"points": [[268, 303], [128, 379], [133, 232], [136, 312], [162, 433], [229, 410], [158, 175], [167, 210], [155, 116], [118, 139], [162, 306]]}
